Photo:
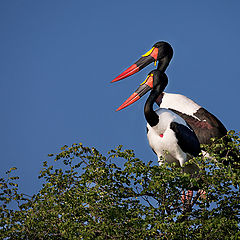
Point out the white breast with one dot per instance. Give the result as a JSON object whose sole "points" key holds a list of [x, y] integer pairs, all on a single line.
{"points": [[166, 146]]}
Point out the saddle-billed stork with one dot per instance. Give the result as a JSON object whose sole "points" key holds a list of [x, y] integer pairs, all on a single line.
{"points": [[166, 130], [169, 136]]}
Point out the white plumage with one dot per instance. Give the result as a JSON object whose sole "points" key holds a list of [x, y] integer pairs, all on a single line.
{"points": [[162, 138], [178, 102]]}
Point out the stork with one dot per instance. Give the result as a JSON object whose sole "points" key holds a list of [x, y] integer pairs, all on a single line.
{"points": [[169, 136], [166, 131], [204, 123]]}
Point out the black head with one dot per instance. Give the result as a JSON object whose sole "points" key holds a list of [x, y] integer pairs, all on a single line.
{"points": [[161, 52], [155, 82], [160, 80], [164, 49], [165, 54]]}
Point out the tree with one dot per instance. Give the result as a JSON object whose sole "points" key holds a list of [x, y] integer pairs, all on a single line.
{"points": [[119, 196]]}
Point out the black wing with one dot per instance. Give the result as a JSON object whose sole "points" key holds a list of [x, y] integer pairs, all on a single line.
{"points": [[187, 139], [207, 127]]}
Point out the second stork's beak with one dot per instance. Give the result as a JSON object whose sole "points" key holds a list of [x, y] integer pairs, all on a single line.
{"points": [[146, 59], [142, 90]]}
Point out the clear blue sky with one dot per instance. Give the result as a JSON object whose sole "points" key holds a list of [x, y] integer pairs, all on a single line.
{"points": [[57, 59]]}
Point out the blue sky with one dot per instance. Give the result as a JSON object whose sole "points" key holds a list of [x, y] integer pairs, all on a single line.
{"points": [[57, 59]]}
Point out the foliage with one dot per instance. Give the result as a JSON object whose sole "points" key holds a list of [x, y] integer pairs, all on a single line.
{"points": [[120, 197]]}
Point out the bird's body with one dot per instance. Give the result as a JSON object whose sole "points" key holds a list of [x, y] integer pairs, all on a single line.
{"points": [[204, 124], [163, 138]]}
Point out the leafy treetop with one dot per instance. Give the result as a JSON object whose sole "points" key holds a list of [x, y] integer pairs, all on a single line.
{"points": [[118, 196]]}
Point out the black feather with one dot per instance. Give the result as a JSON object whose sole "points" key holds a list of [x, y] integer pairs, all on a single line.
{"points": [[187, 139]]}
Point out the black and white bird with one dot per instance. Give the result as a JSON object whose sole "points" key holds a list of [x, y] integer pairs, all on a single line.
{"points": [[204, 124], [170, 137]]}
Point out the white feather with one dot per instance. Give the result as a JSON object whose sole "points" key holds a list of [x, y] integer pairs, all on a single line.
{"points": [[166, 147], [180, 103]]}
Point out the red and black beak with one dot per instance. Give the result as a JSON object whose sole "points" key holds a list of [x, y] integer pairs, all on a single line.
{"points": [[142, 90], [146, 59]]}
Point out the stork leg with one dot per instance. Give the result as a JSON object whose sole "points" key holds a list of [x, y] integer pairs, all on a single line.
{"points": [[187, 197], [202, 194], [183, 197], [187, 201]]}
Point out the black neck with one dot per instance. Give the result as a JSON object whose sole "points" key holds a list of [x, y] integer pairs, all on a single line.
{"points": [[163, 63], [150, 115], [160, 81]]}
